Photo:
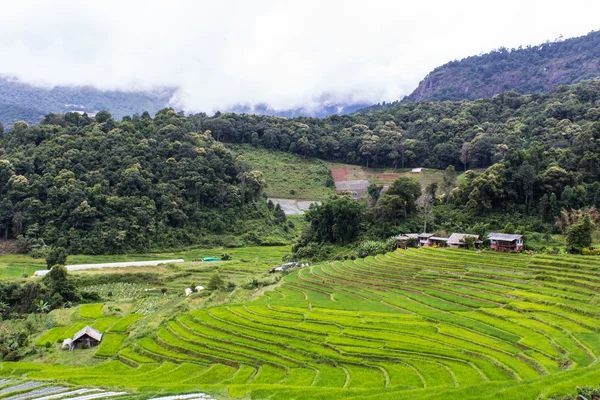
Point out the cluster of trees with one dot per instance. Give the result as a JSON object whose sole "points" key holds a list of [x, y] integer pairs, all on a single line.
{"points": [[103, 186], [561, 128]]}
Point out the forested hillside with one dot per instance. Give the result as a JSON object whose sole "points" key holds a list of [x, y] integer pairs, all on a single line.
{"points": [[540, 150], [22, 102], [102, 186], [533, 69], [98, 185]]}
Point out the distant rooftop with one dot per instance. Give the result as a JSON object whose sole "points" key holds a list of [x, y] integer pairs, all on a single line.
{"points": [[505, 237], [457, 238]]}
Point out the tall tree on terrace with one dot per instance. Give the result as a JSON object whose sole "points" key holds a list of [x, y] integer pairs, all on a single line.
{"points": [[579, 235], [424, 206], [449, 181], [400, 197]]}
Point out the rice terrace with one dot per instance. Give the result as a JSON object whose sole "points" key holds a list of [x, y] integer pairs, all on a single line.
{"points": [[411, 324]]}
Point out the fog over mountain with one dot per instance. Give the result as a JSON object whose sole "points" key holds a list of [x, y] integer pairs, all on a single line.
{"points": [[291, 58]]}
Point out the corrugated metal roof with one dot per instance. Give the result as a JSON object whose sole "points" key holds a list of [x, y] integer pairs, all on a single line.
{"points": [[439, 238], [91, 332], [456, 238], [507, 237], [425, 235]]}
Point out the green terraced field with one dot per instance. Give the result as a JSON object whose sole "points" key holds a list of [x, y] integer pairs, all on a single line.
{"points": [[413, 324]]}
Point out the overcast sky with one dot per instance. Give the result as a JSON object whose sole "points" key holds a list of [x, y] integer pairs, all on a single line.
{"points": [[284, 53]]}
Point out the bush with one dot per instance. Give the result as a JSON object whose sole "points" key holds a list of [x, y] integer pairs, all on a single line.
{"points": [[372, 248], [216, 282], [226, 256], [585, 251], [56, 256]]}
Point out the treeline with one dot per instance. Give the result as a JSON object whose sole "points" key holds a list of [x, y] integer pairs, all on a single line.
{"points": [[103, 186], [543, 150], [560, 128]]}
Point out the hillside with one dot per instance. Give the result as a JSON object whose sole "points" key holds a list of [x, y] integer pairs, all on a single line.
{"points": [[98, 186], [533, 69], [23, 102], [411, 324]]}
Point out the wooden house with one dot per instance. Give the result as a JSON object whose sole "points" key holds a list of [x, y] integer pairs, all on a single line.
{"points": [[505, 242]]}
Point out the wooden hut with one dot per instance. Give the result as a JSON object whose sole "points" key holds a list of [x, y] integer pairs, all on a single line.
{"points": [[85, 338]]}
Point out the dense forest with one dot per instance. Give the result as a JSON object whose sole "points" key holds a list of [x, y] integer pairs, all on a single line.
{"points": [[102, 186], [533, 69], [98, 185]]}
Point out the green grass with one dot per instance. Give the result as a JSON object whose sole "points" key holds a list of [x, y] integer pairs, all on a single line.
{"points": [[13, 266], [124, 323], [91, 311], [414, 324], [110, 344], [129, 354], [287, 175], [53, 335]]}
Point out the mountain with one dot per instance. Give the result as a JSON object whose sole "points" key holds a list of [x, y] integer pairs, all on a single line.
{"points": [[533, 69], [22, 101]]}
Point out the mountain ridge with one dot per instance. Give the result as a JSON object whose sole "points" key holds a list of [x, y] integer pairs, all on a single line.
{"points": [[532, 69]]}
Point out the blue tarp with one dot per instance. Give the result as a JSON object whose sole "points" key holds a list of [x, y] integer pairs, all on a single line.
{"points": [[211, 259]]}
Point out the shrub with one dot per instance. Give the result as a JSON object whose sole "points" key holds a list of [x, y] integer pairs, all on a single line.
{"points": [[56, 256], [216, 282], [226, 256]]}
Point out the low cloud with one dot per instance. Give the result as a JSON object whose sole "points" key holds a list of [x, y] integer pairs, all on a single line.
{"points": [[286, 54]]}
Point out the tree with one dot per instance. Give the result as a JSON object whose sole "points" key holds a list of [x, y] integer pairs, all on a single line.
{"points": [[374, 192], [56, 256], [216, 282], [1, 128], [103, 116], [41, 307], [464, 154], [579, 235], [432, 189], [424, 206], [401, 196], [449, 181], [59, 284], [336, 220], [525, 178]]}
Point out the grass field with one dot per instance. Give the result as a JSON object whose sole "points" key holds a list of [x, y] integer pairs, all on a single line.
{"points": [[288, 176], [15, 265], [412, 324]]}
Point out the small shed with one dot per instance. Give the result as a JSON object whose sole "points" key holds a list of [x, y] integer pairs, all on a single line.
{"points": [[438, 241], [85, 338], [457, 240], [506, 242]]}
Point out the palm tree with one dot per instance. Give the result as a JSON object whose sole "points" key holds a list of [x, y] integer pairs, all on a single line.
{"points": [[42, 307]]}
